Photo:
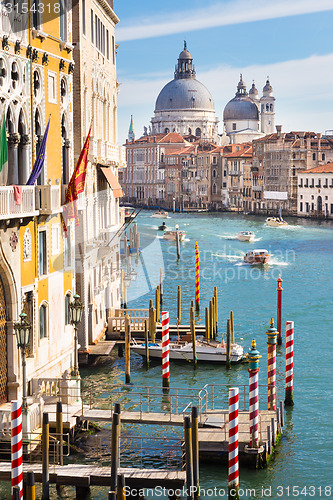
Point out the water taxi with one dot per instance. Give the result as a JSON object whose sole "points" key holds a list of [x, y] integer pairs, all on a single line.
{"points": [[245, 236], [209, 352], [276, 222], [163, 227], [258, 256], [160, 215]]}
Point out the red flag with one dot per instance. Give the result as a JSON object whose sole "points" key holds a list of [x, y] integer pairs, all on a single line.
{"points": [[76, 185]]}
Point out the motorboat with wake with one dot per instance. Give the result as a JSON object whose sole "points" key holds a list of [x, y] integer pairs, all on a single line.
{"points": [[257, 256], [160, 215], [276, 222], [172, 235], [245, 236], [163, 227], [209, 352]]}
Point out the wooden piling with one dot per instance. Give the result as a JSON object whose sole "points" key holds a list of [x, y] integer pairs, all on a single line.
{"points": [[146, 344], [45, 457], [16, 493], [194, 342], [177, 243], [157, 304], [115, 433], [127, 351], [269, 439], [30, 492], [216, 308], [161, 289], [232, 327], [195, 449], [188, 457], [211, 320], [273, 426], [214, 317], [228, 346], [179, 304], [121, 492], [125, 296], [112, 495], [59, 431], [122, 287], [207, 329]]}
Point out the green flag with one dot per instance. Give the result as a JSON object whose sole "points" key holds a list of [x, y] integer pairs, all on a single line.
{"points": [[3, 145]]}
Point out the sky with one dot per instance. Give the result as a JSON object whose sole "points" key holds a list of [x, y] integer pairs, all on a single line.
{"points": [[288, 41]]}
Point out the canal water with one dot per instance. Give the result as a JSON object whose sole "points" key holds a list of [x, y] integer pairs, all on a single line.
{"points": [[302, 253]]}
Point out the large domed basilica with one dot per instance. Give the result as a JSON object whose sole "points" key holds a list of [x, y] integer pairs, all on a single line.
{"points": [[184, 105]]}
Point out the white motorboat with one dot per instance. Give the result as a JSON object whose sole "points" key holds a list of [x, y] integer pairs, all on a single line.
{"points": [[210, 352], [172, 235], [160, 215], [276, 222], [257, 256], [245, 236]]}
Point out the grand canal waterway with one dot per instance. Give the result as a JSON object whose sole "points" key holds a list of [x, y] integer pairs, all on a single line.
{"points": [[303, 254]]}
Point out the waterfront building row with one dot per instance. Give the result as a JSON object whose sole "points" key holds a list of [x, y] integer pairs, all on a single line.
{"points": [[60, 69], [256, 177]]}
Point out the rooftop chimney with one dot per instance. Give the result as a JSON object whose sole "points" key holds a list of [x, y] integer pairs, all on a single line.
{"points": [[278, 130]]}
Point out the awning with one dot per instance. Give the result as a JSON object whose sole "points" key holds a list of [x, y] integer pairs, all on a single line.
{"points": [[113, 182]]}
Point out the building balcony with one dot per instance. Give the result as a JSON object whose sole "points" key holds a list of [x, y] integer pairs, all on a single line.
{"points": [[235, 172], [17, 205], [48, 199]]}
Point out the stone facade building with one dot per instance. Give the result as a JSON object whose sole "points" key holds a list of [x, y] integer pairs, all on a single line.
{"points": [[95, 95], [315, 192]]}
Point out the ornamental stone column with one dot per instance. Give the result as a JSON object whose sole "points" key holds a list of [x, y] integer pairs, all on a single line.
{"points": [[24, 160], [13, 142]]}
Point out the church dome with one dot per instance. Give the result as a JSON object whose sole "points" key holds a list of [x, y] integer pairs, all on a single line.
{"points": [[241, 108], [253, 91], [185, 55], [184, 93]]}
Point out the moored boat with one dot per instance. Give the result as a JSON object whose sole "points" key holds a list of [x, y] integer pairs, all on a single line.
{"points": [[129, 214], [258, 256], [160, 215], [245, 236], [209, 352], [276, 222]]}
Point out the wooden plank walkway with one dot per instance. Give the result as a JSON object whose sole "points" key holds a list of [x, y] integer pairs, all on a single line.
{"points": [[93, 475], [102, 348], [131, 417]]}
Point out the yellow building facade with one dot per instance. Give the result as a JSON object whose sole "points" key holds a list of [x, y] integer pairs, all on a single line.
{"points": [[36, 261]]}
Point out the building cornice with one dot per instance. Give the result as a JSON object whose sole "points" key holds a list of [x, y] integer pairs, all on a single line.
{"points": [[106, 6]]}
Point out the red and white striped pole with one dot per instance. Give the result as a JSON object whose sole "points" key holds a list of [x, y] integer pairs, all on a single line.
{"points": [[165, 350], [279, 309], [253, 359], [233, 473], [271, 382], [197, 277], [289, 399], [16, 446]]}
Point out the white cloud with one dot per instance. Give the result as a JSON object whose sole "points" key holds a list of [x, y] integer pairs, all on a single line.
{"points": [[302, 88], [220, 14]]}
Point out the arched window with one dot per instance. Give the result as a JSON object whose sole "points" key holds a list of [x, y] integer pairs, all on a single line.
{"points": [[214, 173], [68, 300], [214, 189], [166, 130], [198, 132], [271, 107], [190, 131], [267, 107], [65, 151], [43, 321]]}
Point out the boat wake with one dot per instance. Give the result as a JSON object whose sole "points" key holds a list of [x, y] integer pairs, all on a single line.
{"points": [[227, 236], [228, 257]]}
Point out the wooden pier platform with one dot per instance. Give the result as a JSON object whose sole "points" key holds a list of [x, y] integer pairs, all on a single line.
{"points": [[93, 475], [102, 348]]}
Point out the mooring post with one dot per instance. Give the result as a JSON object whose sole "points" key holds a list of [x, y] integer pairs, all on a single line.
{"points": [[194, 342], [115, 433], [177, 242], [273, 426], [195, 449], [16, 493], [269, 439], [122, 287], [165, 352], [214, 317], [125, 295], [59, 431], [179, 304], [271, 369], [146, 344], [211, 320], [233, 472], [279, 309], [289, 398], [228, 346], [207, 332], [232, 327], [188, 457], [31, 492], [161, 289], [157, 303], [216, 308], [121, 492], [127, 350], [45, 457], [197, 277], [253, 359], [112, 495], [281, 414]]}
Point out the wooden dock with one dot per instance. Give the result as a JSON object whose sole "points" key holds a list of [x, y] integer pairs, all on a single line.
{"points": [[93, 475], [102, 348]]}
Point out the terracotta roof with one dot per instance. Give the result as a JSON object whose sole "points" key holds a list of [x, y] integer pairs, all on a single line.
{"points": [[172, 137], [245, 153], [321, 169]]}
